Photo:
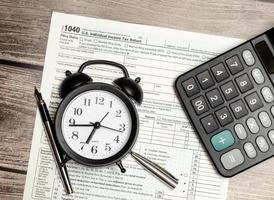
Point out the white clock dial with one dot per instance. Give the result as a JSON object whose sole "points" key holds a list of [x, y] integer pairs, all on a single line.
{"points": [[96, 124]]}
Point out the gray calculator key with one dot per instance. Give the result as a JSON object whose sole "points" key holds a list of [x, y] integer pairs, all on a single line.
{"points": [[238, 108], [232, 159], [248, 58], [267, 94], [209, 124], [262, 144], [205, 80], [244, 83], [257, 76], [271, 136], [253, 101], [265, 119], [252, 125], [214, 97], [250, 150], [234, 65], [190, 87], [199, 105], [229, 90], [240, 131], [224, 116], [220, 73], [272, 110]]}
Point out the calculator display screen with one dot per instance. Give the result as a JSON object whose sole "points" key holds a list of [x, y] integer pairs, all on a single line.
{"points": [[266, 56]]}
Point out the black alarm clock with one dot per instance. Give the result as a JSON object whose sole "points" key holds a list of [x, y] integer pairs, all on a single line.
{"points": [[97, 123]]}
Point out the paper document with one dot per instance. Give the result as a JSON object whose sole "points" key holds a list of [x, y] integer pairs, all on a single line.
{"points": [[158, 56]]}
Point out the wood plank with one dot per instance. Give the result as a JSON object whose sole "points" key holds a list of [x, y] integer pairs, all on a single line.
{"points": [[11, 185], [17, 114], [24, 24], [253, 184]]}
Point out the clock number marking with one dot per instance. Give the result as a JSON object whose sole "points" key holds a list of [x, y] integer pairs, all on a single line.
{"points": [[99, 100], [71, 121], [78, 111], [87, 102], [74, 135], [110, 104], [122, 127], [116, 139], [94, 149], [107, 147], [118, 113]]}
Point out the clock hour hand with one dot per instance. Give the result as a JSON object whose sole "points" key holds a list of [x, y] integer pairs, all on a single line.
{"points": [[96, 126], [90, 135]]}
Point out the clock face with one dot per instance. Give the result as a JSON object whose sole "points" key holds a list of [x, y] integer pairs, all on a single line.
{"points": [[96, 124]]}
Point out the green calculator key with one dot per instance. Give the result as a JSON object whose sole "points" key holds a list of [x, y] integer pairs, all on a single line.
{"points": [[222, 140]]}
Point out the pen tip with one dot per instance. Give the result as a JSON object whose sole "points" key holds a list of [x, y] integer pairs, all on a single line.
{"points": [[37, 94]]}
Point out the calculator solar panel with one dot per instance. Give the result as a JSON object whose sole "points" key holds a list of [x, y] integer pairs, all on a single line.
{"points": [[230, 102]]}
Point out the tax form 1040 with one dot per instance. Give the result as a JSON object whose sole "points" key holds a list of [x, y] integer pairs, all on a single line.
{"points": [[158, 56]]}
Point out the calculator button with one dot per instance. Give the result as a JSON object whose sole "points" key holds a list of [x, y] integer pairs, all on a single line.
{"points": [[244, 83], [240, 131], [229, 90], [272, 110], [262, 144], [214, 97], [267, 94], [271, 136], [250, 150], [257, 76], [222, 140], [265, 119], [234, 65], [224, 116], [253, 101], [252, 125], [248, 58], [199, 105], [209, 124], [190, 87], [238, 108], [219, 72], [205, 80], [232, 159]]}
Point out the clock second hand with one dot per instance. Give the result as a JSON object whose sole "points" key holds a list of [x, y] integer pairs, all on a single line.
{"points": [[111, 128]]}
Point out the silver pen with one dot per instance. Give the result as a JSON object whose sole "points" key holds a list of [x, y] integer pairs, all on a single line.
{"points": [[155, 169]]}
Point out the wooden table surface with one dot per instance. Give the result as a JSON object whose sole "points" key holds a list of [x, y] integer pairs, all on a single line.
{"points": [[24, 27]]}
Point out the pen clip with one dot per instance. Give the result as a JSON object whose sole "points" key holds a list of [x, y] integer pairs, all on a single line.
{"points": [[66, 158]]}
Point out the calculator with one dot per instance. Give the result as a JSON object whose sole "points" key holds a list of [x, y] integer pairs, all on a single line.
{"points": [[230, 103]]}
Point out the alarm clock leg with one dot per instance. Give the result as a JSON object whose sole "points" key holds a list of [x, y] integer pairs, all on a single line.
{"points": [[66, 158], [120, 165]]}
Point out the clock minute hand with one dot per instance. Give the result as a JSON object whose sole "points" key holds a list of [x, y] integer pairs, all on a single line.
{"points": [[96, 126], [90, 124]]}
